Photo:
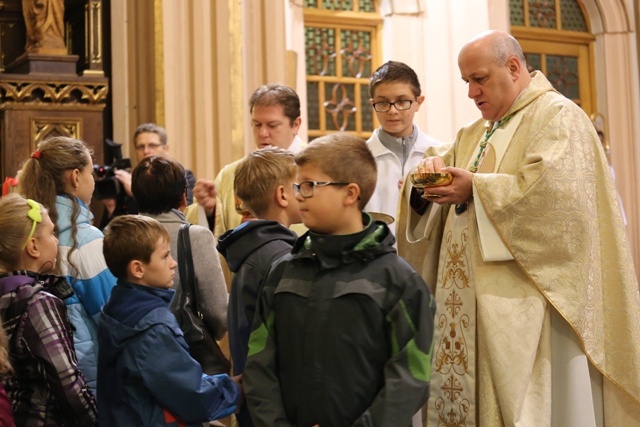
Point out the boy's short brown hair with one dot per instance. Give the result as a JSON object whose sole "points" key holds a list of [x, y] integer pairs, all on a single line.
{"points": [[259, 174], [128, 238], [395, 72], [344, 158]]}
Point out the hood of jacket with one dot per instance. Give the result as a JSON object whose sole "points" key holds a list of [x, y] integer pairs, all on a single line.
{"points": [[236, 247], [332, 251], [131, 310], [55, 285]]}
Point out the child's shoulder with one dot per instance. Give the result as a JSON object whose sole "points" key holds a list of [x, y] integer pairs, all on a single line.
{"points": [[389, 268]]}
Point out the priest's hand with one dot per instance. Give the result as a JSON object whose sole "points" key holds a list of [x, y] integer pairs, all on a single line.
{"points": [[459, 191], [429, 164], [205, 193]]}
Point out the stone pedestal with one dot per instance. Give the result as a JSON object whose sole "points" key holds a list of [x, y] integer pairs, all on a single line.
{"points": [[35, 63]]}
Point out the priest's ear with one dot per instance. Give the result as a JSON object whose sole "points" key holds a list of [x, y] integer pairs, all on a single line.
{"points": [[515, 68]]}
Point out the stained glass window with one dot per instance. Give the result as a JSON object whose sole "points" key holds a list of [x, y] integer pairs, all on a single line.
{"points": [[367, 6], [516, 11], [320, 47], [556, 40], [340, 56], [572, 16], [564, 15], [534, 61], [562, 72], [542, 13]]}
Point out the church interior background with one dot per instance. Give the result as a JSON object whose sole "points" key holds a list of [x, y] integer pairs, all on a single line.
{"points": [[190, 66]]}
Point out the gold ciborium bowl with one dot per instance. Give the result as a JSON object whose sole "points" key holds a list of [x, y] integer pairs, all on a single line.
{"points": [[430, 179]]}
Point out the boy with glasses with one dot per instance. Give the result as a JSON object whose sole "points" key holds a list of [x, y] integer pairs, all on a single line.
{"points": [[343, 328], [397, 145]]}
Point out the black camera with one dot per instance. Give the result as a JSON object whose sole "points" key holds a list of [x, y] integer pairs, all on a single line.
{"points": [[107, 185]]}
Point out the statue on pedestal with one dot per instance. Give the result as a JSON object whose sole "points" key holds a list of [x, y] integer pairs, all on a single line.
{"points": [[44, 20]]}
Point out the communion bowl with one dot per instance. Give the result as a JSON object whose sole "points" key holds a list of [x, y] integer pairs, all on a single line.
{"points": [[430, 179]]}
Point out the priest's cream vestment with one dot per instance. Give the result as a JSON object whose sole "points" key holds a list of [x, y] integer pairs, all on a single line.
{"points": [[538, 312]]}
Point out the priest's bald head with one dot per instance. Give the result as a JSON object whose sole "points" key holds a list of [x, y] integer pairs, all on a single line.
{"points": [[494, 67]]}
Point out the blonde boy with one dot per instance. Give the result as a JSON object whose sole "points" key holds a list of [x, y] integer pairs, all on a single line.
{"points": [[264, 184], [343, 329], [146, 375]]}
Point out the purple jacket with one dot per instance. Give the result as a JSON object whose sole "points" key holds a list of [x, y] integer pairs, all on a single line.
{"points": [[46, 389]]}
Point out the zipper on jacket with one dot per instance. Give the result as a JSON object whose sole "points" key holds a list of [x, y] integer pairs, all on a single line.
{"points": [[404, 153]]}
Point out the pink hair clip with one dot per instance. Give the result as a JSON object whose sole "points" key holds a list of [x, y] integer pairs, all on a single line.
{"points": [[35, 155]]}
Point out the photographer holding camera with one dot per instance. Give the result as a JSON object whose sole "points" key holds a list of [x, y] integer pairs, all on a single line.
{"points": [[149, 140]]}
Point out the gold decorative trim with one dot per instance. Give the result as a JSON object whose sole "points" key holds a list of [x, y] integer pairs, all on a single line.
{"points": [[96, 21], [53, 93], [42, 128]]}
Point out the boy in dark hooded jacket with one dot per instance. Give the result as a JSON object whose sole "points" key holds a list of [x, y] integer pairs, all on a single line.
{"points": [[264, 185]]}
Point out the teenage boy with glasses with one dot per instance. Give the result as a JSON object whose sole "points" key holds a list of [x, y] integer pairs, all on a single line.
{"points": [[397, 145]]}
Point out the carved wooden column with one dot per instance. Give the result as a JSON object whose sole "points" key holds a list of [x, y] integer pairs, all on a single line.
{"points": [[93, 56]]}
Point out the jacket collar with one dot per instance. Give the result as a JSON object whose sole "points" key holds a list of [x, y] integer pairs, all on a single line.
{"points": [[332, 251], [173, 216]]}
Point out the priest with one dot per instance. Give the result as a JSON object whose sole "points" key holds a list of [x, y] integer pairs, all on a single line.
{"points": [[538, 312]]}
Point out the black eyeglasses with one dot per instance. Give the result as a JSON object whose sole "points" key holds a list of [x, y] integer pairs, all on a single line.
{"points": [[306, 188], [384, 106]]}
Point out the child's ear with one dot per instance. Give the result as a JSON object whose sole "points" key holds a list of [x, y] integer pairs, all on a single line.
{"points": [[420, 100], [73, 178], [353, 194], [136, 269], [32, 248], [281, 197]]}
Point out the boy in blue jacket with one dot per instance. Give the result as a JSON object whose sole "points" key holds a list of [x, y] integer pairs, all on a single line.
{"points": [[146, 375]]}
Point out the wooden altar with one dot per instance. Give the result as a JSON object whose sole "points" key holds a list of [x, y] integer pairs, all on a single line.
{"points": [[46, 89]]}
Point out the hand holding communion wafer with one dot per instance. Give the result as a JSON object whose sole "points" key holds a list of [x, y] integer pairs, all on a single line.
{"points": [[440, 183]]}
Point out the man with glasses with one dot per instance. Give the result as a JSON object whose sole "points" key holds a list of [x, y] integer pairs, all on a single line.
{"points": [[397, 145], [149, 140]]}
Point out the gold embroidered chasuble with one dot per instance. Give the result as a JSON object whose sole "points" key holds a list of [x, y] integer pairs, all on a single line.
{"points": [[545, 186]]}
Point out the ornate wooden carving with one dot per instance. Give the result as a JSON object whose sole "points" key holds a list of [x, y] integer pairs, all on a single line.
{"points": [[53, 93], [35, 107], [43, 94]]}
